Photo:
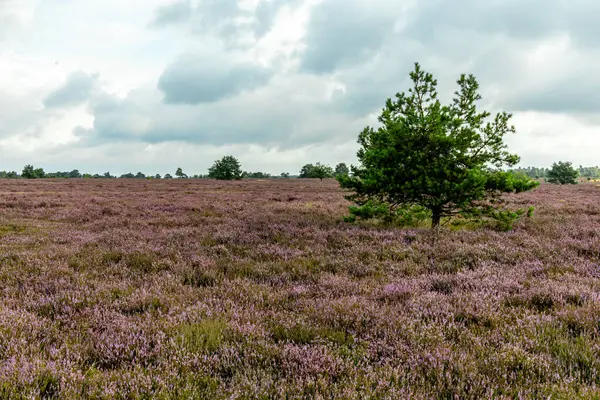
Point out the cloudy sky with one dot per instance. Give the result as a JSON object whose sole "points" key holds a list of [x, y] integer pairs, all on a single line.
{"points": [[151, 85]]}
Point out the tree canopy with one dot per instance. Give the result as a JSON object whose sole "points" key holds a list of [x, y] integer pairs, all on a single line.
{"points": [[563, 173], [180, 174], [446, 159], [318, 170], [341, 169], [227, 168], [29, 172], [256, 175]]}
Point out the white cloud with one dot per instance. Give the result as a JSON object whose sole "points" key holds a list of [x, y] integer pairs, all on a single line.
{"points": [[279, 83]]}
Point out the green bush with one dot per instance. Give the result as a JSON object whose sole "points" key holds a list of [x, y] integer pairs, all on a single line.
{"points": [[401, 216]]}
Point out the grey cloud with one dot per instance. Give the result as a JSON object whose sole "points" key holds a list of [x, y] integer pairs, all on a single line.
{"points": [[21, 115], [559, 97], [197, 79], [205, 16], [270, 116], [342, 33], [224, 19], [16, 114], [495, 40], [532, 19], [172, 13], [76, 90], [492, 40]]}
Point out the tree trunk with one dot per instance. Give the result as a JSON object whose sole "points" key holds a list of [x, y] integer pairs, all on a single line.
{"points": [[435, 219]]}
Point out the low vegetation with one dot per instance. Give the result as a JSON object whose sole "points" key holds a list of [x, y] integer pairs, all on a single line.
{"points": [[258, 289]]}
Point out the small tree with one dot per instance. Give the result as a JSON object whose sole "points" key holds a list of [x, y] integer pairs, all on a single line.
{"points": [[322, 171], [168, 176], [317, 170], [341, 169], [28, 172], [157, 176], [443, 159], [39, 173], [563, 173], [179, 173], [306, 171], [285, 175], [227, 168]]}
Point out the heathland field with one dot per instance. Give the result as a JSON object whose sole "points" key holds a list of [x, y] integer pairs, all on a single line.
{"points": [[257, 289]]}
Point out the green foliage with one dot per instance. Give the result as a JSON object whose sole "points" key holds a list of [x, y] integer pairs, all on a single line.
{"points": [[256, 175], [285, 175], [303, 334], [506, 182], [369, 210], [402, 216], [142, 262], [179, 173], [8, 175], [317, 170], [11, 229], [128, 175], [227, 168], [589, 172], [446, 159], [29, 172], [505, 219], [341, 170], [532, 172], [563, 173], [205, 336], [48, 385]]}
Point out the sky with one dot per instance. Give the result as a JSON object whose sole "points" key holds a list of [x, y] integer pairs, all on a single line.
{"points": [[153, 85]]}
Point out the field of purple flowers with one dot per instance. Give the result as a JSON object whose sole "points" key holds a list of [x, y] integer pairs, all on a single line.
{"points": [[256, 289]]}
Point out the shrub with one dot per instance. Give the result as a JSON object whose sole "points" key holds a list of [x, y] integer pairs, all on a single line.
{"points": [[562, 173], [402, 216]]}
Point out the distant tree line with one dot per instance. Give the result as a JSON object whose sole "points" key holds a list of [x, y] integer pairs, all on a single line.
{"points": [[30, 172], [227, 168], [538, 173]]}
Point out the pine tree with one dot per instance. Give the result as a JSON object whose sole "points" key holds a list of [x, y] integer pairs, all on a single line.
{"points": [[445, 159]]}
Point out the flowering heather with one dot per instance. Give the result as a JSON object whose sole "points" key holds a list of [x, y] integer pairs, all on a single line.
{"points": [[133, 289]]}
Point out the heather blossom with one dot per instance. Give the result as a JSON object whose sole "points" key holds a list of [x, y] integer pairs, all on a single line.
{"points": [[203, 289]]}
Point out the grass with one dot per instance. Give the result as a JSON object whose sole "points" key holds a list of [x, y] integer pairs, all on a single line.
{"points": [[205, 336], [257, 289]]}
